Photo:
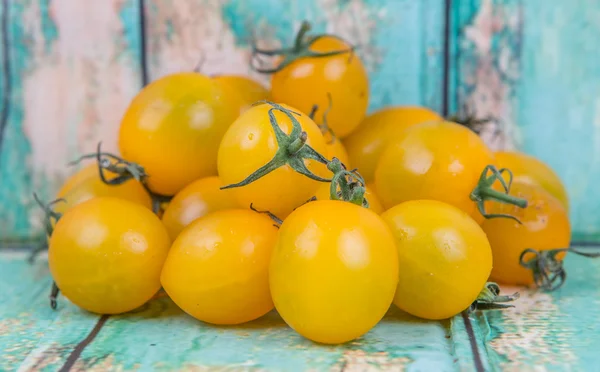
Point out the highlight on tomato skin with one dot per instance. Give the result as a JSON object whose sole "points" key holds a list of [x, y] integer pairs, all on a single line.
{"points": [[544, 226], [333, 271], [173, 128], [217, 268], [444, 257], [197, 199], [377, 130], [106, 255]]}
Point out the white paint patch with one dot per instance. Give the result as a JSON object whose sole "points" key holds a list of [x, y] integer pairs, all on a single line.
{"points": [[492, 79], [76, 91]]}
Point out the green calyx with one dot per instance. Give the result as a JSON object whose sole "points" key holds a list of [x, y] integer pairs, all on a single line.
{"points": [[51, 216], [293, 150], [548, 271], [301, 49], [125, 171], [489, 298], [484, 191], [350, 183]]}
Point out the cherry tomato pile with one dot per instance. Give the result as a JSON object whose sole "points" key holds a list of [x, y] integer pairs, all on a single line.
{"points": [[236, 199]]}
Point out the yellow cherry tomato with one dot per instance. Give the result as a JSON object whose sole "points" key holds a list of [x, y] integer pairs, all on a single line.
{"points": [[196, 200], [544, 226], [334, 271], [250, 143], [323, 193], [173, 127], [86, 184], [106, 255], [335, 148], [367, 142], [308, 81], [444, 257], [434, 160], [528, 169], [250, 90], [217, 269]]}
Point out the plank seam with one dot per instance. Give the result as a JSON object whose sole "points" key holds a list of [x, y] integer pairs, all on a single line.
{"points": [[7, 88], [473, 342], [76, 353], [446, 62], [143, 47]]}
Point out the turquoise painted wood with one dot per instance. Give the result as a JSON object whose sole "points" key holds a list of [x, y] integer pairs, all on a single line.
{"points": [[530, 66], [72, 68], [557, 332]]}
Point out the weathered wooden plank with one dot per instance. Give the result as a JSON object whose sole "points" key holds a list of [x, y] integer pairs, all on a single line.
{"points": [[73, 68], [33, 336], [558, 109], [400, 41], [532, 67], [558, 330]]}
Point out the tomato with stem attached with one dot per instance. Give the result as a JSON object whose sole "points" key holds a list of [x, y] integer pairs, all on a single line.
{"points": [[529, 169], [442, 161], [333, 271], [318, 66], [444, 257], [270, 157], [106, 255], [544, 227], [197, 199], [173, 127], [367, 142], [87, 184], [217, 268]]}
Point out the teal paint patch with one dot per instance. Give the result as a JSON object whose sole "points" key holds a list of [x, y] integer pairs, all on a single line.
{"points": [[559, 101], [49, 28], [130, 16], [15, 176], [399, 341]]}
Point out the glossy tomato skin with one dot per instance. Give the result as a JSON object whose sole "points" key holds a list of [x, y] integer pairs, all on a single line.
{"points": [[544, 225], [197, 199], [335, 148], [173, 127], [368, 141], [434, 160], [217, 268], [106, 255], [444, 257], [529, 169], [250, 90], [86, 184], [249, 144], [334, 271], [323, 193], [308, 81]]}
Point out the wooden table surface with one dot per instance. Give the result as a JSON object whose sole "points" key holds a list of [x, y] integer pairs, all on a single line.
{"points": [[558, 331]]}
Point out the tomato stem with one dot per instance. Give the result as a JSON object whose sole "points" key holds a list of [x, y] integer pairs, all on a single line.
{"points": [[548, 271], [293, 150], [54, 291], [125, 171], [489, 298], [484, 192], [278, 221], [324, 126], [351, 184], [301, 49]]}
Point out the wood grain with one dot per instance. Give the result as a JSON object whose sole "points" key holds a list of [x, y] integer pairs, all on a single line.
{"points": [[74, 66]]}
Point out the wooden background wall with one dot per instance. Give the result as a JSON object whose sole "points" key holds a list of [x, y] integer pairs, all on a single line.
{"points": [[68, 69]]}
